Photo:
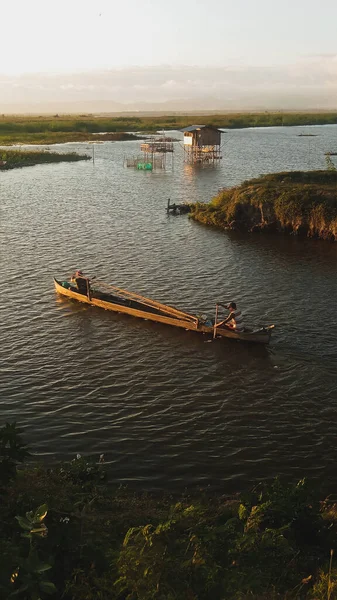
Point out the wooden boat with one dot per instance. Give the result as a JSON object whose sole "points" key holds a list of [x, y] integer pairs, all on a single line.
{"points": [[118, 300]]}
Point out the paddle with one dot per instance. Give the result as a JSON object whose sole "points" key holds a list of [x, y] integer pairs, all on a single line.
{"points": [[216, 316], [215, 320]]}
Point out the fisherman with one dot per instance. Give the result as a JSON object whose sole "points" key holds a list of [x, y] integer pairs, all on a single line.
{"points": [[77, 273], [234, 319], [74, 276], [81, 282]]}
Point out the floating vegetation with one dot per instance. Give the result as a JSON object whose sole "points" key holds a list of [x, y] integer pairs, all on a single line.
{"points": [[12, 159]]}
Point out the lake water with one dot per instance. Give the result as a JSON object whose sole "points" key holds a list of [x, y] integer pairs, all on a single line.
{"points": [[169, 409]]}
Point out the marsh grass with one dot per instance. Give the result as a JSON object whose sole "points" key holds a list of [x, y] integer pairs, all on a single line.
{"points": [[62, 137], [11, 159], [27, 128], [298, 202]]}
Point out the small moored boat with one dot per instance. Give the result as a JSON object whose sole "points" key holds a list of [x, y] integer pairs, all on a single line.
{"points": [[116, 299]]}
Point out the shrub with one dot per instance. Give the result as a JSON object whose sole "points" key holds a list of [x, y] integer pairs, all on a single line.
{"points": [[12, 452]]}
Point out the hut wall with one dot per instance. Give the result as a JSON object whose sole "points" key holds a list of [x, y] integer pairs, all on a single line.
{"points": [[209, 137]]}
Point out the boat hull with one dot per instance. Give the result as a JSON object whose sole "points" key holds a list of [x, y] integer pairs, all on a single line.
{"points": [[142, 314], [183, 321], [259, 336]]}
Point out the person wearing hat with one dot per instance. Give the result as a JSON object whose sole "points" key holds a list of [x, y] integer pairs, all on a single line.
{"points": [[234, 319]]}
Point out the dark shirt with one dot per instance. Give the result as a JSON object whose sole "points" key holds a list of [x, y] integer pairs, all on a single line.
{"points": [[82, 285]]}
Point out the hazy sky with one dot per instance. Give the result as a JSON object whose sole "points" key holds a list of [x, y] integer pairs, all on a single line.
{"points": [[187, 36]]}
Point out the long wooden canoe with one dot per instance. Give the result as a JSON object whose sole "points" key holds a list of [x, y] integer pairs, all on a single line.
{"points": [[116, 299]]}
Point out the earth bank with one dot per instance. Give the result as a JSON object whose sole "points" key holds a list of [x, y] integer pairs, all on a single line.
{"points": [[301, 203]]}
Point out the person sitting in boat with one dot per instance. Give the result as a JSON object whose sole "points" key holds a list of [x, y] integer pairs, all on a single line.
{"points": [[77, 273], [81, 282], [234, 319]]}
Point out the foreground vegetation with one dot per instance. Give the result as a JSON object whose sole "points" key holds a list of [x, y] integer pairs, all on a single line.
{"points": [[66, 534], [30, 129], [12, 159], [303, 203]]}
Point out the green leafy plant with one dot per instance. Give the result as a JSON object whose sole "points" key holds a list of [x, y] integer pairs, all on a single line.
{"points": [[29, 579], [179, 558], [85, 471]]}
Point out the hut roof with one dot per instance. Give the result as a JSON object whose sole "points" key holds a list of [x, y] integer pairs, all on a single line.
{"points": [[198, 127], [193, 127]]}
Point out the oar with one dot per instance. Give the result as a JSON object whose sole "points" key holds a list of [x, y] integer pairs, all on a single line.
{"points": [[216, 317], [215, 320]]}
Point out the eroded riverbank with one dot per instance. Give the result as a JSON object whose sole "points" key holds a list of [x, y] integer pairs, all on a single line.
{"points": [[301, 203]]}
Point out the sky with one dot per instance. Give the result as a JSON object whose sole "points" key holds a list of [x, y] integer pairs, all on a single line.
{"points": [[154, 53]]}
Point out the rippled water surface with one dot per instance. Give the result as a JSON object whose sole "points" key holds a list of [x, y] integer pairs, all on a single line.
{"points": [[169, 408]]}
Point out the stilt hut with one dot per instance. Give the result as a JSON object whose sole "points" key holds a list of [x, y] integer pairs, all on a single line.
{"points": [[202, 144]]}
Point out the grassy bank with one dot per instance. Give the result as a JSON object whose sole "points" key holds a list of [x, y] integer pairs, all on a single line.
{"points": [[303, 203], [25, 129], [61, 137], [12, 159], [66, 533]]}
